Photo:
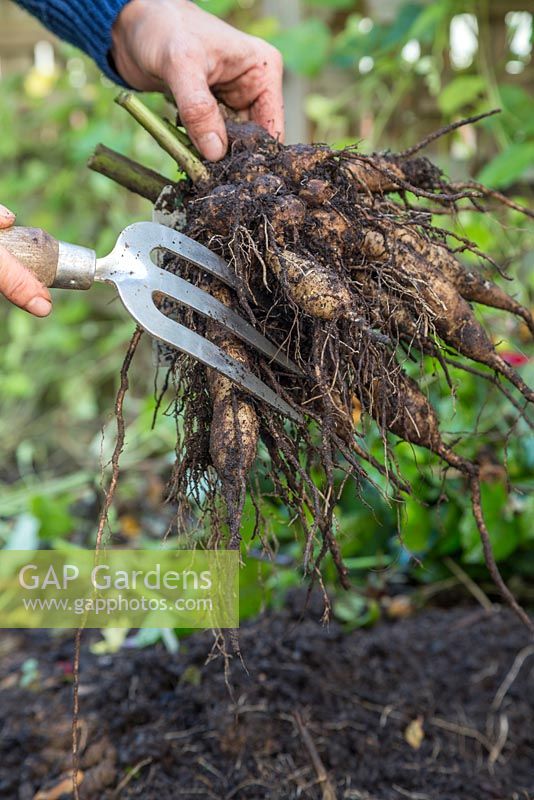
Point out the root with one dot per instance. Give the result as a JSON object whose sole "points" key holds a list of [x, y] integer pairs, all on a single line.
{"points": [[446, 129], [119, 442], [501, 198], [508, 372], [102, 522], [489, 558], [494, 379], [75, 739]]}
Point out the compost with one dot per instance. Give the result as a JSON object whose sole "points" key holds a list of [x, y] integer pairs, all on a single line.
{"points": [[440, 705]]}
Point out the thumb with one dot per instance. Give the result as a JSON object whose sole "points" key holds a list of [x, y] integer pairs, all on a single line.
{"points": [[7, 217], [199, 111], [21, 287]]}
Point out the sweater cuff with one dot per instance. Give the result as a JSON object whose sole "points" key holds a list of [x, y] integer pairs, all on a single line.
{"points": [[86, 24]]}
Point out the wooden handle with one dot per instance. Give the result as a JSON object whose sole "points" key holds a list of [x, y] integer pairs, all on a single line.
{"points": [[35, 248]]}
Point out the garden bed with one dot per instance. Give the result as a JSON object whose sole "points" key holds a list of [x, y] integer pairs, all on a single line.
{"points": [[415, 708]]}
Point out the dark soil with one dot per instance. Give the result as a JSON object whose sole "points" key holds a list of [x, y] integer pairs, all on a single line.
{"points": [[170, 725]]}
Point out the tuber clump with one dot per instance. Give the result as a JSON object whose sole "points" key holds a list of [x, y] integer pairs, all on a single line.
{"points": [[352, 281]]}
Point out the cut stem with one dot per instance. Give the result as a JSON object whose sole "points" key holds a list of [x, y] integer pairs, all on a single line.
{"points": [[128, 173], [163, 135], [181, 135]]}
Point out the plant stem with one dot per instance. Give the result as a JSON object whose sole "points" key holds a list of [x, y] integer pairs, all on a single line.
{"points": [[166, 138], [181, 134], [128, 173]]}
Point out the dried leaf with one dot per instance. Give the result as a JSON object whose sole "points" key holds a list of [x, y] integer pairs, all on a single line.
{"points": [[130, 526], [414, 733], [399, 607], [63, 787], [356, 410]]}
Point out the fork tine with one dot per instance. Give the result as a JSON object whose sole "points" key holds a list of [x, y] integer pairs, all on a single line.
{"points": [[159, 237], [184, 292], [158, 325], [195, 253]]}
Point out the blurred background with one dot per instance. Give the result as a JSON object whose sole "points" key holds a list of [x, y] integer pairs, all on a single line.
{"points": [[383, 73]]}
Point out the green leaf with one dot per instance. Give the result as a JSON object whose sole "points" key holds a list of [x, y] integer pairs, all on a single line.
{"points": [[111, 642], [23, 535], [518, 111], [461, 92], [253, 589], [319, 107], [53, 514], [426, 23], [417, 527], [350, 44], [368, 562], [265, 28], [305, 47], [29, 673], [447, 516], [356, 611], [221, 8], [400, 30], [17, 384], [527, 448], [500, 522], [508, 166], [332, 4], [349, 607], [526, 525]]}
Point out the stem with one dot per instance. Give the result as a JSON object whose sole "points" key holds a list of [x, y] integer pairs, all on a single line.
{"points": [[181, 135], [489, 558], [166, 138], [128, 173]]}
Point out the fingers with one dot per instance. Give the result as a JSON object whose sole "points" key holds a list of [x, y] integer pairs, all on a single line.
{"points": [[268, 111], [7, 218], [198, 110], [258, 90], [190, 50], [268, 107], [16, 282], [19, 286]]}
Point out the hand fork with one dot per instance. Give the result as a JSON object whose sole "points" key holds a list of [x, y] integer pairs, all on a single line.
{"points": [[129, 267]]}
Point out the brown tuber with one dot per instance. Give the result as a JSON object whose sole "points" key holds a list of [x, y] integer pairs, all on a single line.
{"points": [[316, 192], [452, 316], [234, 423], [387, 173], [315, 289], [468, 282], [400, 407]]}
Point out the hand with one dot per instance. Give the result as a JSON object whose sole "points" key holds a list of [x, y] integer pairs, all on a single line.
{"points": [[16, 282], [199, 57]]}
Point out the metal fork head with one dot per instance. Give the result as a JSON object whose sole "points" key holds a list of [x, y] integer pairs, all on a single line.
{"points": [[135, 245], [130, 268]]}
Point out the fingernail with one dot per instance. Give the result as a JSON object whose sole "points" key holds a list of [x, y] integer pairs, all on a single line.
{"points": [[5, 213], [211, 146], [39, 307]]}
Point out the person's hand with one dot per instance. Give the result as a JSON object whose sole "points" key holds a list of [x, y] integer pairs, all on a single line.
{"points": [[199, 58], [16, 282]]}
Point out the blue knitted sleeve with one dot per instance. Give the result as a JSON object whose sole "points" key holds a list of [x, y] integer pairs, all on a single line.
{"points": [[84, 23]]}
